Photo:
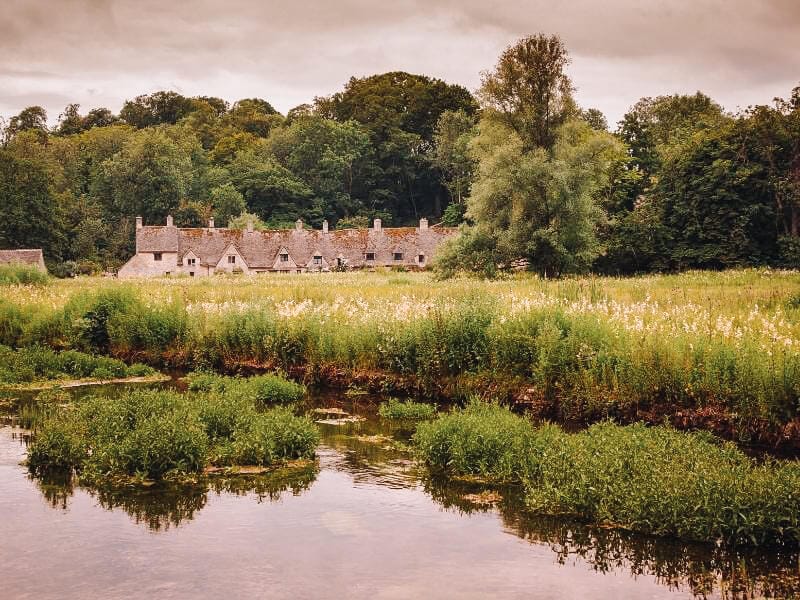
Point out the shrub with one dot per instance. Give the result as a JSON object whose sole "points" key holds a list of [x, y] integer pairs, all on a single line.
{"points": [[273, 436], [59, 445], [263, 390], [653, 480], [396, 409]]}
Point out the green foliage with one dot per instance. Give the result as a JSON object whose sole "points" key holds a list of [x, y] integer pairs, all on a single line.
{"points": [[22, 275], [408, 410], [35, 363], [228, 203], [155, 434], [261, 390], [653, 480]]}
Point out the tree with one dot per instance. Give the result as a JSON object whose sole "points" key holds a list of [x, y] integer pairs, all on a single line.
{"points": [[31, 118], [454, 131], [100, 117], [330, 157], [529, 92], [595, 118], [149, 177], [29, 214], [70, 121], [535, 208], [227, 203], [154, 109]]}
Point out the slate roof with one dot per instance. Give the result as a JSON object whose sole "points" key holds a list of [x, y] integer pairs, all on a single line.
{"points": [[260, 248], [30, 257]]}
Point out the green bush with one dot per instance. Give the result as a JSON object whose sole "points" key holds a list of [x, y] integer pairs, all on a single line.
{"points": [[271, 437], [413, 411], [263, 390], [156, 433], [653, 480]]}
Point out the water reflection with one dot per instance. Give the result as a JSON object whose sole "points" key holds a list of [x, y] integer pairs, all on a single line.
{"points": [[374, 453], [704, 570]]}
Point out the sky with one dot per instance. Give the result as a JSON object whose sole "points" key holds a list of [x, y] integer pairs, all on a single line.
{"points": [[102, 52]]}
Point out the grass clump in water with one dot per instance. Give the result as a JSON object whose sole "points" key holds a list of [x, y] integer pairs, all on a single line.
{"points": [[263, 390], [408, 410], [157, 434], [653, 480], [37, 363]]}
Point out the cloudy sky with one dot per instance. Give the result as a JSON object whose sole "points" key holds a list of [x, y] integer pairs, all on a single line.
{"points": [[101, 52]]}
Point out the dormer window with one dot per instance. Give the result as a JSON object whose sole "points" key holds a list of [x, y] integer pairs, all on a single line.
{"points": [[231, 259], [284, 258], [398, 256], [370, 256], [317, 259], [156, 255], [191, 261], [421, 258]]}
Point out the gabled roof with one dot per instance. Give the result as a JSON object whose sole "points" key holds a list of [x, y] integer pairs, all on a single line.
{"points": [[259, 249], [30, 257]]}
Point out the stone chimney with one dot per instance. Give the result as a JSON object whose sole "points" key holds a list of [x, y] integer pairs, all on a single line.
{"points": [[423, 224], [376, 224], [298, 225], [249, 225], [325, 226], [169, 220], [211, 223], [138, 223]]}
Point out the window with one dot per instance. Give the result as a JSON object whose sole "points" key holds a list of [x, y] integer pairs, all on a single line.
{"points": [[317, 260], [370, 256], [190, 261], [284, 258], [191, 273], [398, 256], [421, 258], [231, 259], [156, 255], [167, 273]]}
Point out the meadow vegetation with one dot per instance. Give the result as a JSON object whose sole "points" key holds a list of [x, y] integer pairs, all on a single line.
{"points": [[155, 434], [406, 410], [709, 350], [22, 275], [653, 480], [37, 363]]}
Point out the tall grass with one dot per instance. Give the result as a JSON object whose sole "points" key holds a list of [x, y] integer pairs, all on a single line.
{"points": [[22, 275], [696, 346], [653, 480]]}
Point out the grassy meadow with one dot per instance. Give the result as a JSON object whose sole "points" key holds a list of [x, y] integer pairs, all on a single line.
{"points": [[718, 351]]}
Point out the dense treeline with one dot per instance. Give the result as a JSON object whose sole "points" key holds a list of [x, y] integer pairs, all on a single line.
{"points": [[537, 180]]}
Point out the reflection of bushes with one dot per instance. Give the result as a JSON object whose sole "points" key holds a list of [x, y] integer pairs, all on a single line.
{"points": [[653, 480]]}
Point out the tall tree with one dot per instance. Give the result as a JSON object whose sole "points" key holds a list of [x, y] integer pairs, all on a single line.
{"points": [[529, 91], [29, 214], [451, 156]]}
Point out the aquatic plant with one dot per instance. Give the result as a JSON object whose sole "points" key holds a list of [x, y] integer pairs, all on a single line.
{"points": [[154, 434], [37, 363], [653, 480], [264, 390], [409, 410]]}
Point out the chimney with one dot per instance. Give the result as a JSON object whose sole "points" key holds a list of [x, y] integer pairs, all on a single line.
{"points": [[423, 224], [211, 223], [376, 224], [325, 226], [138, 223], [169, 220], [249, 225], [298, 225]]}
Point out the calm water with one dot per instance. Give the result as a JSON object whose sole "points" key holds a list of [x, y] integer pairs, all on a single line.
{"points": [[363, 523]]}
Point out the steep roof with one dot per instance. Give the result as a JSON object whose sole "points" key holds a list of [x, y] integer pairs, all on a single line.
{"points": [[260, 248], [29, 257]]}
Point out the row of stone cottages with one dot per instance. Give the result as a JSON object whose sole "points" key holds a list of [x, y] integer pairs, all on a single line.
{"points": [[198, 252]]}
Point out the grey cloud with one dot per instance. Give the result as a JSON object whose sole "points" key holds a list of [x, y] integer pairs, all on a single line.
{"points": [[738, 51]]}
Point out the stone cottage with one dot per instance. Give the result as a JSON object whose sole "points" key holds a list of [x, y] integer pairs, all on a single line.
{"points": [[27, 258], [198, 252]]}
